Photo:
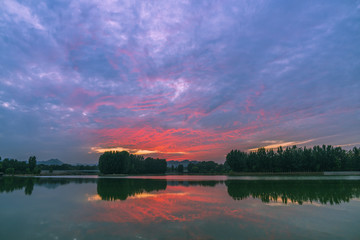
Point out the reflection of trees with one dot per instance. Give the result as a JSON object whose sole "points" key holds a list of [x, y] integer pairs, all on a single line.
{"points": [[323, 191], [10, 184], [108, 189], [119, 189], [300, 191], [208, 183], [29, 187], [56, 182]]}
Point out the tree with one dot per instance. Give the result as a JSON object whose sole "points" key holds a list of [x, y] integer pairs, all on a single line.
{"points": [[180, 168], [137, 165], [10, 171], [114, 162], [37, 170], [32, 163], [316, 159], [237, 160], [155, 165], [123, 162], [207, 167]]}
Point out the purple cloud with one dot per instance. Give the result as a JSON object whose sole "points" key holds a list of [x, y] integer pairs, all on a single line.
{"points": [[168, 77]]}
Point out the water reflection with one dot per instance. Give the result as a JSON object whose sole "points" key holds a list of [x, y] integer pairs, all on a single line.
{"points": [[328, 191], [121, 189], [113, 208], [10, 184], [282, 191], [206, 183]]}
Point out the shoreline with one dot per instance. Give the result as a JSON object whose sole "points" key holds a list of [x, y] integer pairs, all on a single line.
{"points": [[231, 174]]}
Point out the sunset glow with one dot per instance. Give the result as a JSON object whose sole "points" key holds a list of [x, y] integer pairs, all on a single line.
{"points": [[276, 144], [176, 204], [176, 79]]}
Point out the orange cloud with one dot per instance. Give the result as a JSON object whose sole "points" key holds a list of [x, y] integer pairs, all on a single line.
{"points": [[276, 144], [174, 143], [133, 151]]}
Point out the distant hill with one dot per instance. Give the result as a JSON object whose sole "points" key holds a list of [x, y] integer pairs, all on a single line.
{"points": [[185, 163], [51, 162]]}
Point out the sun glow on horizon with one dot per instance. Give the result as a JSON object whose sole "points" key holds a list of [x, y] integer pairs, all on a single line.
{"points": [[276, 144], [132, 151]]}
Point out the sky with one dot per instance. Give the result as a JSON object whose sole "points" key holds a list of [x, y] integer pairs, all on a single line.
{"points": [[176, 79]]}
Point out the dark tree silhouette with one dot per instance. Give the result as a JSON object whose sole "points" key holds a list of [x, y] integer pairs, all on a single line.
{"points": [[32, 163], [209, 167], [13, 166], [294, 159], [125, 163]]}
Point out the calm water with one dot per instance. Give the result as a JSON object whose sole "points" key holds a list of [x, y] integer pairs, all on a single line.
{"points": [[180, 207]]}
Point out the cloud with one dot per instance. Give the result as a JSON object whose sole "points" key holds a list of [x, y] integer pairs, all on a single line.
{"points": [[132, 151], [192, 78], [276, 144], [21, 13]]}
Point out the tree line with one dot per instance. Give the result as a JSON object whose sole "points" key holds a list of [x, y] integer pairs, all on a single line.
{"points": [[294, 159], [208, 167], [13, 166], [115, 162], [65, 167]]}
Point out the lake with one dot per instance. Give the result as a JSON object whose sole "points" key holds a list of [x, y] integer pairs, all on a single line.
{"points": [[180, 207]]}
